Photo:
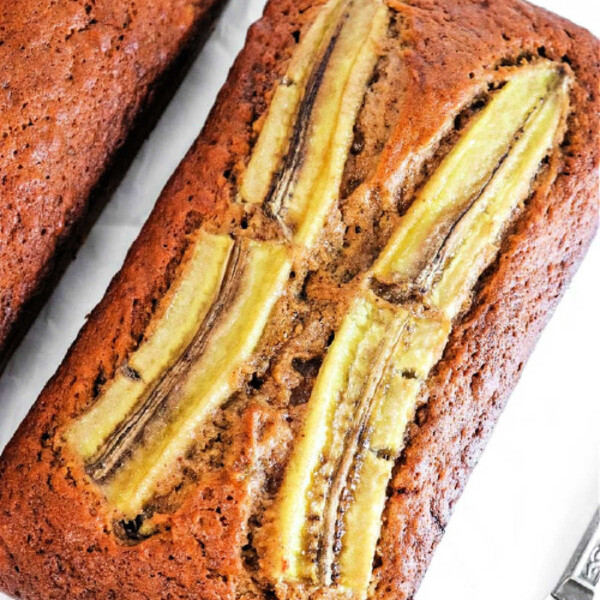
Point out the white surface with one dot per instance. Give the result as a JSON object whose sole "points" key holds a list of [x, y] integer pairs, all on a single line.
{"points": [[535, 489]]}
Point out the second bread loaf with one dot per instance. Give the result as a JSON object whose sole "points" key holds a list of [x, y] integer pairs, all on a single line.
{"points": [[78, 81]]}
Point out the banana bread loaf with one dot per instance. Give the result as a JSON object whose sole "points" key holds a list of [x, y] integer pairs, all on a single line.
{"points": [[77, 81], [286, 386]]}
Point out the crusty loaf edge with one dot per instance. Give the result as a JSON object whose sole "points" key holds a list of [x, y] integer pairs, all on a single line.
{"points": [[466, 394]]}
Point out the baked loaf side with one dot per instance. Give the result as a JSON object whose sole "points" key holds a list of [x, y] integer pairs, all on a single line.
{"points": [[80, 80], [318, 326]]}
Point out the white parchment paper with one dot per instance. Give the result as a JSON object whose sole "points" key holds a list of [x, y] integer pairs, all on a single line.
{"points": [[536, 486]]}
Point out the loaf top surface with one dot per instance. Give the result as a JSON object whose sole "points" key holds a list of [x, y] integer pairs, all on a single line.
{"points": [[439, 58], [74, 75]]}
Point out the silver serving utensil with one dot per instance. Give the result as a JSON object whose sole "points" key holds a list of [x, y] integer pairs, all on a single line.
{"points": [[581, 578]]}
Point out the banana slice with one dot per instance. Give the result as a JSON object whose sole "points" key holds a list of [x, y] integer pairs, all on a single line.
{"points": [[300, 187], [209, 378], [211, 323], [380, 351], [412, 258], [182, 311], [274, 139], [474, 241], [299, 539]]}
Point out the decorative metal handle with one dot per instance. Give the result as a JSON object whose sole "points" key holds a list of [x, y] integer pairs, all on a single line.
{"points": [[582, 575]]}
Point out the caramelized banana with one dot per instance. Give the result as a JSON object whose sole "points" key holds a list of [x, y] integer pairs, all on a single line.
{"points": [[378, 349], [300, 187], [121, 440], [133, 436], [343, 385], [210, 377], [414, 256], [277, 130], [182, 311], [474, 241]]}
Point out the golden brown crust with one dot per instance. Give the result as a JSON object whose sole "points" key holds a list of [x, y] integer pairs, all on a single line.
{"points": [[79, 82], [56, 536]]}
